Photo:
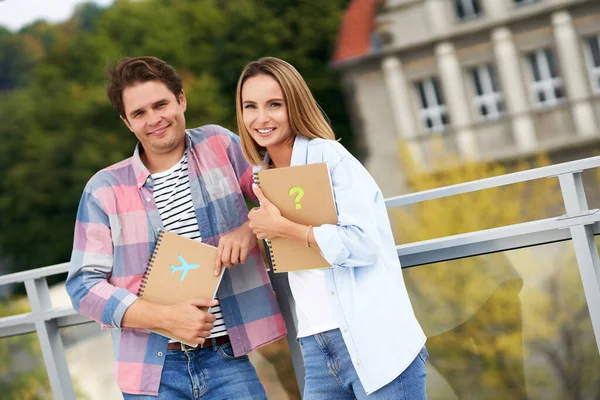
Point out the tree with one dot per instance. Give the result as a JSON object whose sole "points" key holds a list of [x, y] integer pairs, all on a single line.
{"points": [[495, 321], [58, 128]]}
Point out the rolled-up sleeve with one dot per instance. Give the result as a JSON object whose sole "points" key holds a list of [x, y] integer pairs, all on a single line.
{"points": [[91, 265], [353, 242]]}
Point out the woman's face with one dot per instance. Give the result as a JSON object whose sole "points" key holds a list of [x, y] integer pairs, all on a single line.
{"points": [[265, 113]]}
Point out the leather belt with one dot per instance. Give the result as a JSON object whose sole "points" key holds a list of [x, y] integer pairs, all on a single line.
{"points": [[218, 341]]}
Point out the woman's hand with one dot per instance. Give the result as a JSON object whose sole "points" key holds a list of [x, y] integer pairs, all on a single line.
{"points": [[265, 221]]}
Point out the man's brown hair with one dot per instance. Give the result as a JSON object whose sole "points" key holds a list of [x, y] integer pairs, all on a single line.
{"points": [[130, 71]]}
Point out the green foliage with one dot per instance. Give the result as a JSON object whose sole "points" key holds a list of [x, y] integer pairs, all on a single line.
{"points": [[26, 379], [58, 128]]}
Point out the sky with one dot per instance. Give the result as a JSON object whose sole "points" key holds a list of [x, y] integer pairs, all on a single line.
{"points": [[16, 13]]}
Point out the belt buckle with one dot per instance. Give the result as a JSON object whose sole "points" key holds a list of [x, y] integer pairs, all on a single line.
{"points": [[185, 348]]}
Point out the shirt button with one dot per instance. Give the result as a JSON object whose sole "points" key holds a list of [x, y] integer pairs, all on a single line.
{"points": [[332, 292], [148, 199], [148, 180], [358, 364], [345, 330], [157, 229], [160, 354]]}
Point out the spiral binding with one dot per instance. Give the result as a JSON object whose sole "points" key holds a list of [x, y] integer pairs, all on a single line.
{"points": [[150, 263], [256, 177]]}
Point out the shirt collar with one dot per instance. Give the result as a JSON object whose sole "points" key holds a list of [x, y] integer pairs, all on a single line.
{"points": [[140, 170], [299, 153]]}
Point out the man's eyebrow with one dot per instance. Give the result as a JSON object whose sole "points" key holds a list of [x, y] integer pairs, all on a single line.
{"points": [[135, 111]]}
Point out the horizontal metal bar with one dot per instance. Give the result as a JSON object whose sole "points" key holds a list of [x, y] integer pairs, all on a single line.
{"points": [[34, 274], [495, 240], [503, 180], [25, 323]]}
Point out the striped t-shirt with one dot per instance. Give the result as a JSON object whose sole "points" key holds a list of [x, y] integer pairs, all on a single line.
{"points": [[173, 198]]}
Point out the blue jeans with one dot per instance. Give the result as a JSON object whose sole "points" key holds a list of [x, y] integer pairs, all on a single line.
{"points": [[330, 373], [212, 373]]}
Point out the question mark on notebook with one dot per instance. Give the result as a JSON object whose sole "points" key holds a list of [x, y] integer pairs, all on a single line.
{"points": [[299, 193]]}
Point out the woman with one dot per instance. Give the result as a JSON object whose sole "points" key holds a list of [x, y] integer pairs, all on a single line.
{"points": [[356, 326]]}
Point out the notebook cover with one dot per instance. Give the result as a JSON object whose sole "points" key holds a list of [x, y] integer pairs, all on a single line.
{"points": [[180, 269], [304, 195]]}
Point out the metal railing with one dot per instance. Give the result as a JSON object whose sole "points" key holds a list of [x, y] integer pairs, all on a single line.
{"points": [[579, 224]]}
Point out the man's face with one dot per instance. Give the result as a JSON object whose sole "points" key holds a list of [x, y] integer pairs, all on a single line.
{"points": [[156, 117]]}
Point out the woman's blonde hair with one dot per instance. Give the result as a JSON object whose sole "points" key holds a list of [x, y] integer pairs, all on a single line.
{"points": [[304, 114]]}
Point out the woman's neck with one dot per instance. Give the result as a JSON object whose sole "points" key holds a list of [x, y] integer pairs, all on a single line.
{"points": [[281, 156]]}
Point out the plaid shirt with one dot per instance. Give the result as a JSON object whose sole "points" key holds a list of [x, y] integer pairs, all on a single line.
{"points": [[115, 234]]}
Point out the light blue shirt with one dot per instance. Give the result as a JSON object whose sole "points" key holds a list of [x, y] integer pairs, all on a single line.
{"points": [[366, 287]]}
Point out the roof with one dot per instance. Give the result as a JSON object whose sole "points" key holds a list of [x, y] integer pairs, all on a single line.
{"points": [[354, 35]]}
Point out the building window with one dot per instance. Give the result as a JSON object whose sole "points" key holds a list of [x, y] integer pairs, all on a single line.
{"points": [[593, 53], [521, 2], [466, 9], [433, 113], [488, 97], [547, 85]]}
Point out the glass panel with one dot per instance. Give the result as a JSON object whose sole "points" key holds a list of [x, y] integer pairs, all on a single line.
{"points": [[438, 91], [511, 325], [551, 63], [594, 44], [534, 66], [22, 370], [460, 10], [469, 212], [421, 90], [476, 81], [88, 349]]}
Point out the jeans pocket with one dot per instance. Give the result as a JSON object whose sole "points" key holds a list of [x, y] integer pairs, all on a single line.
{"points": [[227, 352]]}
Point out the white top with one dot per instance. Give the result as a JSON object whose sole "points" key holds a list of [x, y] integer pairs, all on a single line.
{"points": [[313, 311], [365, 287], [173, 198]]}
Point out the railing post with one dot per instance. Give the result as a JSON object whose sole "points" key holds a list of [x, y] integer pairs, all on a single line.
{"points": [[50, 340], [586, 250]]}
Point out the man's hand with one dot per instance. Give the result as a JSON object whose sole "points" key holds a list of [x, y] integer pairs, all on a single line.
{"points": [[266, 221], [187, 321], [234, 247]]}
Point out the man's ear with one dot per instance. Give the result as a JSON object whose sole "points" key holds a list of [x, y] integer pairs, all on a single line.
{"points": [[127, 124], [182, 100]]}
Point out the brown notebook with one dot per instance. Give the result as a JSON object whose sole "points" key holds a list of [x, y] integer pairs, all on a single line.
{"points": [[304, 195], [180, 269]]}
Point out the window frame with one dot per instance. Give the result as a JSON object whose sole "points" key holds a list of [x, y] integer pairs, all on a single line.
{"points": [[594, 70], [471, 9], [547, 84], [432, 105]]}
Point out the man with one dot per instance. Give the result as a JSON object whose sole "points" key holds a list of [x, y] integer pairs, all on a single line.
{"points": [[191, 182]]}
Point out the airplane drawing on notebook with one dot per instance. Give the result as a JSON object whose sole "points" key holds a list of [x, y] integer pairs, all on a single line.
{"points": [[184, 268]]}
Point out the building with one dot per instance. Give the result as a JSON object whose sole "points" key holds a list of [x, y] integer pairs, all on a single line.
{"points": [[480, 79]]}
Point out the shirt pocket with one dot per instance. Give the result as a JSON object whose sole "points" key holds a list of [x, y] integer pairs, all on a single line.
{"points": [[227, 202]]}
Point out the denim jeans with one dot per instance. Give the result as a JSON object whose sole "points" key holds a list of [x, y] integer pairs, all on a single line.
{"points": [[212, 373], [330, 374]]}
